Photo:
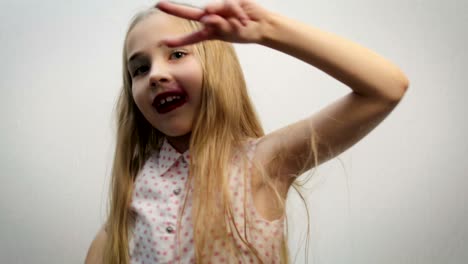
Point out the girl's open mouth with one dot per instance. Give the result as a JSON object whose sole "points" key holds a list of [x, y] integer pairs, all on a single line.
{"points": [[169, 101]]}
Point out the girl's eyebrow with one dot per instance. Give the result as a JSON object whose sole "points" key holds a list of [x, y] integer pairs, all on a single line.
{"points": [[139, 53]]}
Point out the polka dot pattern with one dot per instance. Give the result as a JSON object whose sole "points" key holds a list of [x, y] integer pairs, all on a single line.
{"points": [[157, 201], [159, 193]]}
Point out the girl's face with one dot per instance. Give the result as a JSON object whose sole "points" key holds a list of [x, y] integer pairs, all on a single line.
{"points": [[166, 82]]}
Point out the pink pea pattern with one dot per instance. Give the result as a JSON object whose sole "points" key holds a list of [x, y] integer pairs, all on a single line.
{"points": [[158, 196]]}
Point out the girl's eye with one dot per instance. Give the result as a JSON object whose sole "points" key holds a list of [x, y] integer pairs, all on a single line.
{"points": [[140, 70], [178, 55]]}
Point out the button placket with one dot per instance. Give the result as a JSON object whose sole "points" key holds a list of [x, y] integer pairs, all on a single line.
{"points": [[170, 229], [177, 191]]}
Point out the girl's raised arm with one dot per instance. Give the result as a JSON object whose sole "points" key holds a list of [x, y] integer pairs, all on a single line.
{"points": [[376, 84]]}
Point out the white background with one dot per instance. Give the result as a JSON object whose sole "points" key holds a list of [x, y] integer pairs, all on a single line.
{"points": [[398, 196]]}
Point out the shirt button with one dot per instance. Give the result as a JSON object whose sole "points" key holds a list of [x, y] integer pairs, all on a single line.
{"points": [[170, 229], [177, 191]]}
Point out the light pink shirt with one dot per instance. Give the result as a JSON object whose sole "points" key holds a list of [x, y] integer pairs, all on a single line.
{"points": [[157, 200]]}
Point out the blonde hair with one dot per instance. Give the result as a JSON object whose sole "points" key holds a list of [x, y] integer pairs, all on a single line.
{"points": [[225, 120]]}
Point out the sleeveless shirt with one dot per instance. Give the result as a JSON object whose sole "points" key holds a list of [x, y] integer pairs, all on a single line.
{"points": [[157, 200]]}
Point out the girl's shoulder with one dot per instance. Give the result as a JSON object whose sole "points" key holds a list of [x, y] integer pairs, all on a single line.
{"points": [[95, 253]]}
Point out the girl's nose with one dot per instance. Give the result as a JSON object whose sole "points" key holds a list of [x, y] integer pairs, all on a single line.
{"points": [[159, 74]]}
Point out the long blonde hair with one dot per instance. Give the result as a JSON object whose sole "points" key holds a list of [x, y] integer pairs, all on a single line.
{"points": [[226, 118]]}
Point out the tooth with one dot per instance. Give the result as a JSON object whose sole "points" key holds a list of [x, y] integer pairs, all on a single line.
{"points": [[169, 99], [163, 101]]}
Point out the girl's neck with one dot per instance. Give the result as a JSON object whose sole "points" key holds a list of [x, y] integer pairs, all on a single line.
{"points": [[180, 143]]}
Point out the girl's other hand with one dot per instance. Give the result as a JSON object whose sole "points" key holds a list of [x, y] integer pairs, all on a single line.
{"points": [[240, 21]]}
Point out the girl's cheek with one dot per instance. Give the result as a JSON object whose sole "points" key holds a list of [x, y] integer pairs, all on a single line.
{"points": [[136, 94]]}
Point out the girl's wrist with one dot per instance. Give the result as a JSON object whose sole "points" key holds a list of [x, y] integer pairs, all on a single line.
{"points": [[269, 29]]}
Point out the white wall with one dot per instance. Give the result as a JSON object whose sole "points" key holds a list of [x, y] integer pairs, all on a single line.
{"points": [[398, 196]]}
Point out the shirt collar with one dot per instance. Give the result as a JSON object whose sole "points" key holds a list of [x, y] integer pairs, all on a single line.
{"points": [[168, 155]]}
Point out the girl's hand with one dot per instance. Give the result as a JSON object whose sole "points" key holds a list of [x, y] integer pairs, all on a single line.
{"points": [[241, 21]]}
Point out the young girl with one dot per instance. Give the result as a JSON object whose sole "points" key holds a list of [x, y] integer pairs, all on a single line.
{"points": [[195, 180]]}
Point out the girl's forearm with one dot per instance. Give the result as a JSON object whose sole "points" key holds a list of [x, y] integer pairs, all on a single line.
{"points": [[364, 71]]}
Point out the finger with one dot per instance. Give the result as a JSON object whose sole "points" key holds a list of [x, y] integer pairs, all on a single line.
{"points": [[215, 7], [235, 24], [238, 11], [216, 22], [191, 38], [228, 9], [180, 10]]}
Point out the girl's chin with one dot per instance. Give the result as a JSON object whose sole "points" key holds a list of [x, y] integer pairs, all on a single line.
{"points": [[174, 130], [177, 133]]}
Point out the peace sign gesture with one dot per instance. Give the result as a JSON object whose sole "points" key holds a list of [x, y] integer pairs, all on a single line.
{"points": [[241, 21]]}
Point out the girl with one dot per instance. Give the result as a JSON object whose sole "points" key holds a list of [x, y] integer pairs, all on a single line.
{"points": [[195, 180]]}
